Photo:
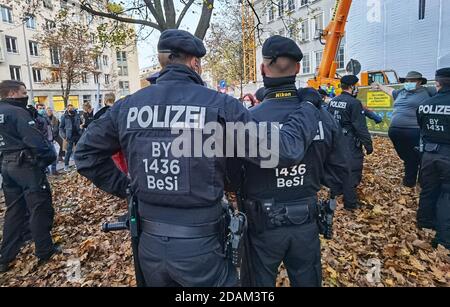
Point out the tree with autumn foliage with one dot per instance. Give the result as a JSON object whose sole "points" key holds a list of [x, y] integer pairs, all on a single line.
{"points": [[224, 43]]}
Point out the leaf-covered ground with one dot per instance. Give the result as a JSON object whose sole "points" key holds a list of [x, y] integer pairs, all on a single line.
{"points": [[377, 245]]}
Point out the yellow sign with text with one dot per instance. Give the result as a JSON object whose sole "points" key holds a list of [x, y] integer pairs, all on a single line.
{"points": [[378, 100]]}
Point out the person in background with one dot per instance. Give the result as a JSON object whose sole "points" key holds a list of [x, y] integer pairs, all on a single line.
{"points": [[330, 91], [249, 101], [70, 130], [404, 130], [55, 130], [110, 98], [259, 95], [87, 116]]}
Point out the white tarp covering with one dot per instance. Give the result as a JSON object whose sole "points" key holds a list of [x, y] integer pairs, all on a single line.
{"points": [[387, 34]]}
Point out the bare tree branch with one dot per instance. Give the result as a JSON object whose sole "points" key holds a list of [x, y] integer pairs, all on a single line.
{"points": [[183, 12], [169, 9], [205, 19], [92, 11]]}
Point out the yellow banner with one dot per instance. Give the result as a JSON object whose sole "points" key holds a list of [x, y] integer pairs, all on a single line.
{"points": [[378, 100]]}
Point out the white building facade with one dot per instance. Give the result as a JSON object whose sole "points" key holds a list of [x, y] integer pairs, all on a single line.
{"points": [[402, 35], [301, 20], [21, 57]]}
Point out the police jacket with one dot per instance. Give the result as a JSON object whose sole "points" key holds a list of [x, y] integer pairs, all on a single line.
{"points": [[324, 162], [69, 128], [18, 132], [433, 116], [141, 125], [350, 114]]}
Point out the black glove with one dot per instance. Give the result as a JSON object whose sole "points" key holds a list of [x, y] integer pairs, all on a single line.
{"points": [[369, 149]]}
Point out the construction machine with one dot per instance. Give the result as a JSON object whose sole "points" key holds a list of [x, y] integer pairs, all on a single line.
{"points": [[331, 37]]}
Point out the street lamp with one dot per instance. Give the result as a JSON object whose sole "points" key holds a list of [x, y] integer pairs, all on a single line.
{"points": [[24, 21]]}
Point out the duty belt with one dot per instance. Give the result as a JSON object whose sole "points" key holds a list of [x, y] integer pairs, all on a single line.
{"points": [[179, 231]]}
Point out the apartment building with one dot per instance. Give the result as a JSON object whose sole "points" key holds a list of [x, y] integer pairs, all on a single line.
{"points": [[301, 20], [21, 58]]}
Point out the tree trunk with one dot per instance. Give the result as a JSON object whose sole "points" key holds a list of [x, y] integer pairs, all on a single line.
{"points": [[205, 19]]}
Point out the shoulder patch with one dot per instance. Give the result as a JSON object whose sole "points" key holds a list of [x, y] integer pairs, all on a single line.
{"points": [[2, 118]]}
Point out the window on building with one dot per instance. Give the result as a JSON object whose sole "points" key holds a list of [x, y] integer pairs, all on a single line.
{"points": [[271, 13], [64, 4], [31, 22], [291, 5], [15, 72], [281, 8], [49, 24], [37, 75], [96, 77], [422, 6], [6, 14], [87, 98], [55, 76], [106, 79], [304, 2], [318, 58], [306, 64], [84, 78], [33, 46], [55, 56], [97, 63], [123, 70], [304, 30], [105, 60], [124, 87], [48, 4], [341, 56], [318, 25], [11, 44], [121, 56]]}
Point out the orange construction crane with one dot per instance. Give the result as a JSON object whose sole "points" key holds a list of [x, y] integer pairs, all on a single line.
{"points": [[332, 35], [248, 42]]}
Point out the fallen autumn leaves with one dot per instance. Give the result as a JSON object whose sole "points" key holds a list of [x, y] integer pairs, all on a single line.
{"points": [[378, 245]]}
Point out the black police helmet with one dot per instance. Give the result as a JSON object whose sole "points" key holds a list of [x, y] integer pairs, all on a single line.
{"points": [[174, 40], [279, 46], [349, 80]]}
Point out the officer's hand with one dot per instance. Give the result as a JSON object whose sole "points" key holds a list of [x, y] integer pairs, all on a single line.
{"points": [[376, 86], [369, 149]]}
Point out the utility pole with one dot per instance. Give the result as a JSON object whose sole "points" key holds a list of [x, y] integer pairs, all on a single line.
{"points": [[30, 77]]}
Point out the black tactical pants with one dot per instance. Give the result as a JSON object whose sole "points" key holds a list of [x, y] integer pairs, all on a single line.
{"points": [[434, 205], [298, 247], [405, 140], [27, 196], [172, 262], [356, 161]]}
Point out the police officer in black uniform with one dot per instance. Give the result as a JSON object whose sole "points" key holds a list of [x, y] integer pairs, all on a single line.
{"points": [[350, 113], [179, 197], [25, 156], [433, 116], [281, 203]]}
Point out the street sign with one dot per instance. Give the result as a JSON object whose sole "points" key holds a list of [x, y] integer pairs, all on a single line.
{"points": [[223, 84]]}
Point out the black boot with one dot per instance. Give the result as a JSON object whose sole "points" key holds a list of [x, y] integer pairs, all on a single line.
{"points": [[56, 250]]}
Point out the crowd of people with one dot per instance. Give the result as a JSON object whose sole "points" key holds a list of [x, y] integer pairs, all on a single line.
{"points": [[322, 141], [33, 140]]}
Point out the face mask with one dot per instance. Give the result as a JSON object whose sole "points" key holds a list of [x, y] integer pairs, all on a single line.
{"points": [[410, 86], [247, 104], [22, 102], [41, 112]]}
